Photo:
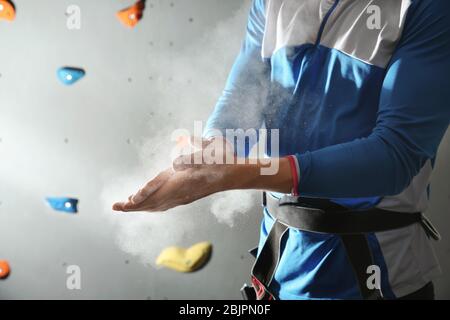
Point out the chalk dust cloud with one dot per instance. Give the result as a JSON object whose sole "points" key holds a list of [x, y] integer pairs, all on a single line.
{"points": [[201, 70]]}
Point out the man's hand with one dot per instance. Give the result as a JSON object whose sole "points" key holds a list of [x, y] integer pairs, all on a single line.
{"points": [[188, 181], [173, 188]]}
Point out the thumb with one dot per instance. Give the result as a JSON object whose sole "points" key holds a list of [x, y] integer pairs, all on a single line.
{"points": [[199, 142], [187, 161], [151, 187]]}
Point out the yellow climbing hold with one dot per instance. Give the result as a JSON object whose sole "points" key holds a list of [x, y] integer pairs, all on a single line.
{"points": [[185, 260]]}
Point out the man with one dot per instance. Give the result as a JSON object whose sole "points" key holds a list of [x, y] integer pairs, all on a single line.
{"points": [[359, 90]]}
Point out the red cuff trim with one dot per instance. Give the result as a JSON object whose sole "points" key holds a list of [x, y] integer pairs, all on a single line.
{"points": [[293, 164]]}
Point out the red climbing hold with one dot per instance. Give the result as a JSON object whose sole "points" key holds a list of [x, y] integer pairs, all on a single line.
{"points": [[4, 269], [131, 15]]}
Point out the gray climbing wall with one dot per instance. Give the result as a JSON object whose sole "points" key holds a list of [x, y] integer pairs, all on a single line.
{"points": [[57, 140], [439, 212]]}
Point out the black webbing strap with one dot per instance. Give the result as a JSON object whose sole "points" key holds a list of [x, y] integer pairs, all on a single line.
{"points": [[322, 216], [360, 257], [267, 261], [430, 229], [253, 252], [248, 293]]}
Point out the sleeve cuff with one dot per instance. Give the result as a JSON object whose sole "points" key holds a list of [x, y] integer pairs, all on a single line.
{"points": [[304, 163], [295, 170]]}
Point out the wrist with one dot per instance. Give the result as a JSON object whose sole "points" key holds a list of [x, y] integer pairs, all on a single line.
{"points": [[250, 176], [240, 176]]}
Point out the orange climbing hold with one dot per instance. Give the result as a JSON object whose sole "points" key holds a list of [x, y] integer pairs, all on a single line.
{"points": [[131, 15], [7, 11], [4, 269]]}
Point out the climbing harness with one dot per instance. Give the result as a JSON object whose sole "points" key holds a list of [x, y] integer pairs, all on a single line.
{"points": [[324, 216]]}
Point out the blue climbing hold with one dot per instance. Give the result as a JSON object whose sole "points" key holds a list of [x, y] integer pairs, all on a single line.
{"points": [[70, 75], [68, 205]]}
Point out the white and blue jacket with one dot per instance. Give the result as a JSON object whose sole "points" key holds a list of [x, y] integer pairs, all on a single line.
{"points": [[360, 93]]}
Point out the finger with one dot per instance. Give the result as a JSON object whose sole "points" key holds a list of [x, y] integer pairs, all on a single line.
{"points": [[182, 162], [147, 206], [156, 209], [118, 206], [127, 207], [196, 159], [199, 142], [151, 187], [130, 206], [188, 161]]}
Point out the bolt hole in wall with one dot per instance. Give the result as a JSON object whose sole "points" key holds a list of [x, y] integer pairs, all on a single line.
{"points": [[104, 73]]}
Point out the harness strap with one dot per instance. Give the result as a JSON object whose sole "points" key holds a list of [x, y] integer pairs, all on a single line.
{"points": [[267, 262], [360, 257], [430, 229], [324, 216]]}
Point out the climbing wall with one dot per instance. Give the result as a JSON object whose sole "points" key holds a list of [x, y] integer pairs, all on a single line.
{"points": [[439, 212], [85, 103], [70, 140]]}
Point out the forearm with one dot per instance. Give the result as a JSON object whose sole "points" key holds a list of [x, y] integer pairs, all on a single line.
{"points": [[249, 176], [366, 167]]}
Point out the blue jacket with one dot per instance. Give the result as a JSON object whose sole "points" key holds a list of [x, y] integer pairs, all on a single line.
{"points": [[360, 93]]}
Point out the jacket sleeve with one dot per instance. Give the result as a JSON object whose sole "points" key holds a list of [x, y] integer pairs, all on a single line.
{"points": [[242, 102], [413, 116]]}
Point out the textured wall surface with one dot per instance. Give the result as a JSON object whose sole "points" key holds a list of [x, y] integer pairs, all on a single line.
{"points": [[439, 212], [65, 141], [84, 140]]}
